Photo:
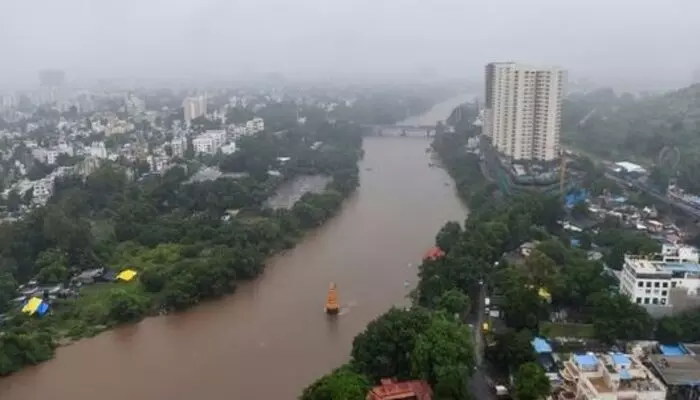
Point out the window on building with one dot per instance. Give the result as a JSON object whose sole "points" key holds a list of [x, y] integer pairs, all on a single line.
{"points": [[646, 300], [657, 284], [649, 284], [664, 292], [665, 284], [673, 284], [639, 300], [655, 300]]}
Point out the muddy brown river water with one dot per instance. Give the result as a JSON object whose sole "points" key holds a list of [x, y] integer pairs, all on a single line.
{"points": [[271, 338]]}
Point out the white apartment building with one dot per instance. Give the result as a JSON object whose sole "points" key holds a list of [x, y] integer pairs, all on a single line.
{"points": [[209, 142], [42, 190], [157, 163], [649, 280], [118, 127], [98, 150], [238, 130], [255, 125], [611, 376], [49, 156], [194, 107], [178, 145], [522, 114]]}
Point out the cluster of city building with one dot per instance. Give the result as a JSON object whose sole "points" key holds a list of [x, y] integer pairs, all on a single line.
{"points": [[53, 124], [648, 371]]}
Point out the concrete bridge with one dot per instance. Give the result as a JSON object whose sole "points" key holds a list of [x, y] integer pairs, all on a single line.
{"points": [[402, 130]]}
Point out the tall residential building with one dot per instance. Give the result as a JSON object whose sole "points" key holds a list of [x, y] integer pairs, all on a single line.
{"points": [[194, 107], [522, 114]]}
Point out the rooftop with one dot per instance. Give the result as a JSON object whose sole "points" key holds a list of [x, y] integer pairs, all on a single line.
{"points": [[586, 360], [541, 345], [643, 265], [609, 373], [677, 370], [393, 390]]}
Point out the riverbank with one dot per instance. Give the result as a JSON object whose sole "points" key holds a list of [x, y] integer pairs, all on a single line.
{"points": [[413, 332], [430, 341], [238, 343], [180, 258]]}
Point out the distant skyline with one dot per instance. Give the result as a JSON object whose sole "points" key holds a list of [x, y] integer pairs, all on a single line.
{"points": [[647, 41]]}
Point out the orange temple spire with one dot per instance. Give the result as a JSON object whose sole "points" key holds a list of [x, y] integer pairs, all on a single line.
{"points": [[332, 306]]}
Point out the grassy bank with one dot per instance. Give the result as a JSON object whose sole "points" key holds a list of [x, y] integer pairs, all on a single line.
{"points": [[171, 232]]}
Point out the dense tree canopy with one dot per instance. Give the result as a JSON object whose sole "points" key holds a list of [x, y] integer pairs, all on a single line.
{"points": [[624, 126], [384, 348], [341, 384], [444, 356], [188, 240], [530, 382]]}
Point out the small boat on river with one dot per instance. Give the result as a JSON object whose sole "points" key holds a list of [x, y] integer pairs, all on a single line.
{"points": [[332, 306]]}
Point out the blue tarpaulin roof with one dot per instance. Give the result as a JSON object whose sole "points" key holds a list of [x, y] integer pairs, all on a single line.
{"points": [[541, 346], [586, 360], [621, 359], [668, 350]]}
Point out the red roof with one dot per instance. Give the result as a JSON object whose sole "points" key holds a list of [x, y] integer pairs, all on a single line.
{"points": [[433, 253], [390, 389]]}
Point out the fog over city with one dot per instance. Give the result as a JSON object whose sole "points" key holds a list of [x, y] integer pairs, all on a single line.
{"points": [[631, 40]]}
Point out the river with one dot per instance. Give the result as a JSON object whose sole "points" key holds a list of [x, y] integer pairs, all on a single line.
{"points": [[271, 338]]}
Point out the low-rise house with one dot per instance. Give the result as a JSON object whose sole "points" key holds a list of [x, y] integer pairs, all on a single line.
{"points": [[390, 389], [611, 376]]}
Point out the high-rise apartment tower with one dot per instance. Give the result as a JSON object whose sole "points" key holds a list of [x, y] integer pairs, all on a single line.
{"points": [[194, 107], [522, 114]]}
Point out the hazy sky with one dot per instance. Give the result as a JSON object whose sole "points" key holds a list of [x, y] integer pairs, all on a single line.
{"points": [[641, 39]]}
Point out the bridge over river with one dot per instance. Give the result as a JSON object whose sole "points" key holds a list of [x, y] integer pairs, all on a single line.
{"points": [[422, 125], [271, 338], [402, 130]]}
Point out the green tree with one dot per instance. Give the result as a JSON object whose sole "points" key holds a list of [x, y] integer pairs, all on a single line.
{"points": [[384, 348], [511, 349], [126, 305], [444, 356], [341, 384], [531, 382], [448, 236], [542, 269], [14, 201], [52, 266], [616, 318], [8, 289], [521, 303], [454, 302]]}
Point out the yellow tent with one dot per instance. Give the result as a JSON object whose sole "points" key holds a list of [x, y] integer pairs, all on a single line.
{"points": [[545, 294], [32, 306], [126, 275]]}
